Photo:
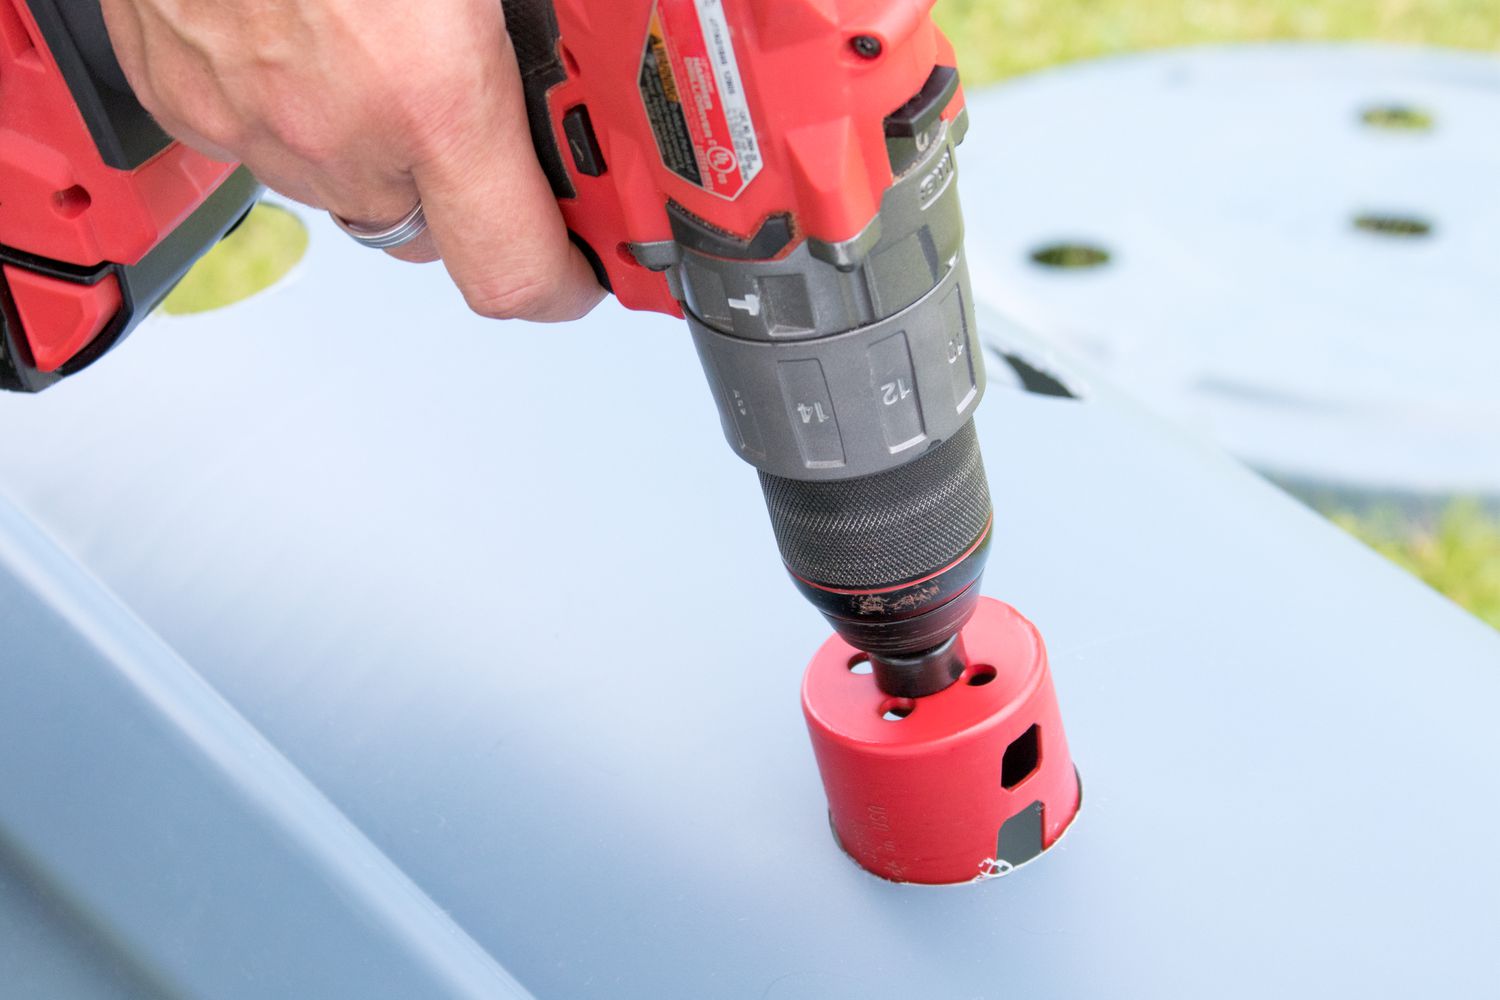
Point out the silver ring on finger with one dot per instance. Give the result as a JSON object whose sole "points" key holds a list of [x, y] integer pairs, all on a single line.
{"points": [[410, 226]]}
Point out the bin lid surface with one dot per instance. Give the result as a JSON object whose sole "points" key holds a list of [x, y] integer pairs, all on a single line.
{"points": [[1241, 295], [521, 619]]}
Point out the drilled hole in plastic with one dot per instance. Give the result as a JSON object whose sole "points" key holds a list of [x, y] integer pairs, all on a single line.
{"points": [[1021, 758], [71, 202], [1398, 226], [981, 675], [1070, 256], [860, 665], [896, 709], [260, 251], [1397, 118], [1035, 378]]}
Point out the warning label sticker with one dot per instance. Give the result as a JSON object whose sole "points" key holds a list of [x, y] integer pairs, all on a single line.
{"points": [[694, 97]]}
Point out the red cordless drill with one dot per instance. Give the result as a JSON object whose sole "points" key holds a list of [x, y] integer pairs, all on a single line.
{"points": [[780, 174]]}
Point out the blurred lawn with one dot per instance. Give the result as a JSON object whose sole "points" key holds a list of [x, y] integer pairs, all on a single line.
{"points": [[999, 38], [1460, 553]]}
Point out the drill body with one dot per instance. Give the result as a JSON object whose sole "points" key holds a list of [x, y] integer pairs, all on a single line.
{"points": [[781, 175]]}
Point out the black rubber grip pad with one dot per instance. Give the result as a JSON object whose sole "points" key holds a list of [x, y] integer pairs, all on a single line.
{"points": [[532, 25], [124, 133], [885, 529]]}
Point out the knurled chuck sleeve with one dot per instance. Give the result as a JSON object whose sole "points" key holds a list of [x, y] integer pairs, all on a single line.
{"points": [[886, 529]]}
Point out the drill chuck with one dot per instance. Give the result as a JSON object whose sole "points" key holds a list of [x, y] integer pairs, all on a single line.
{"points": [[893, 560]]}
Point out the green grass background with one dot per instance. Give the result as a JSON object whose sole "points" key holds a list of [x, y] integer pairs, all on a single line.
{"points": [[1000, 38], [1458, 551]]}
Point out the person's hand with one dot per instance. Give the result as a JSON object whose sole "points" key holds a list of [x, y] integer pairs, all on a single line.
{"points": [[362, 107]]}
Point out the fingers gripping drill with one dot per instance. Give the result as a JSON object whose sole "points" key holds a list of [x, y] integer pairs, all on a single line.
{"points": [[781, 175]]}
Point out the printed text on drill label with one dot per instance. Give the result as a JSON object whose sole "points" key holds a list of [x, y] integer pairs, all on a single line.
{"points": [[695, 98]]}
